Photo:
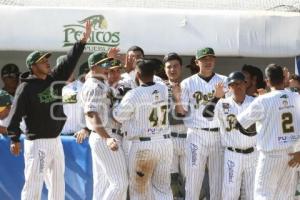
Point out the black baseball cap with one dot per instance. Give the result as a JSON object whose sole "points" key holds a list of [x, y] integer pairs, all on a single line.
{"points": [[172, 56], [10, 70], [235, 76]]}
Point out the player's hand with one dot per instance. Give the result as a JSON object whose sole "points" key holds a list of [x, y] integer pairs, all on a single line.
{"points": [[87, 33], [176, 90], [129, 62], [81, 135], [15, 148], [113, 52], [112, 144], [295, 161], [219, 90]]}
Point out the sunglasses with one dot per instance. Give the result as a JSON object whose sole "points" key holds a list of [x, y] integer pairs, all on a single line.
{"points": [[109, 63]]}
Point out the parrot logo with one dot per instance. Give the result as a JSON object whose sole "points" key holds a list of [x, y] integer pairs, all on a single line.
{"points": [[97, 21]]}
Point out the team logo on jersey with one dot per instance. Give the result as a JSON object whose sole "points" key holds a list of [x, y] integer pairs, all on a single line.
{"points": [[225, 107], [101, 38], [231, 119], [285, 105], [156, 95], [48, 95], [284, 96], [69, 98], [202, 98]]}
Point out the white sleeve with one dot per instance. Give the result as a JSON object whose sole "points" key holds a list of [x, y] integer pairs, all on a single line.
{"points": [[125, 109], [217, 111], [255, 112], [185, 96], [91, 98]]}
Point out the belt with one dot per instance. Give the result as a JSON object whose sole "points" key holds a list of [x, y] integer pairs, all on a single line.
{"points": [[210, 129], [117, 131], [244, 151], [179, 135], [144, 139]]}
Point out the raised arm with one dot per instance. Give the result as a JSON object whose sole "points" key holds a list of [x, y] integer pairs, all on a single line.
{"points": [[66, 67]]}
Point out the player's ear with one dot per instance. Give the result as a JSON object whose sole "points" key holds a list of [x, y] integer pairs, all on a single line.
{"points": [[268, 82], [196, 62]]}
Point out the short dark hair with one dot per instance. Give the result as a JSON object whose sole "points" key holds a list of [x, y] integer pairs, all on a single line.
{"points": [[136, 48], [172, 56], [295, 77], [275, 74], [147, 67], [255, 71]]}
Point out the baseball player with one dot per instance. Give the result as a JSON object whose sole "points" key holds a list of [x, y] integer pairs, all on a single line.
{"points": [[113, 78], [276, 115], [36, 100], [173, 70], [240, 157], [254, 79], [72, 107], [5, 106], [145, 110], [109, 167], [133, 53], [10, 77], [203, 139], [129, 79]]}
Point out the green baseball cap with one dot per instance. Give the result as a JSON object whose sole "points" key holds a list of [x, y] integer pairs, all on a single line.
{"points": [[36, 56], [115, 63], [100, 59], [207, 51], [5, 100]]}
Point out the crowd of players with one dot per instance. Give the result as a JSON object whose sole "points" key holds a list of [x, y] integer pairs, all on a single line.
{"points": [[152, 131]]}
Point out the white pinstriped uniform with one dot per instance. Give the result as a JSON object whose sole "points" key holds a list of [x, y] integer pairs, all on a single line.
{"points": [[239, 168], [202, 146], [177, 126], [143, 113], [72, 108], [277, 119], [109, 167], [128, 80], [44, 160]]}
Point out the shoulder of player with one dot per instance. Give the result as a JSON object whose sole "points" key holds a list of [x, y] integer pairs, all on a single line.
{"points": [[94, 84], [249, 98], [189, 79], [220, 76]]}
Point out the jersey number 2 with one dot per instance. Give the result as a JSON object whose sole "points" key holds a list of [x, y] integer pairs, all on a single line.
{"points": [[156, 117], [287, 122]]}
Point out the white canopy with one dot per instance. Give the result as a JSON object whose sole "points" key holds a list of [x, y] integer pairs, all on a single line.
{"points": [[157, 31]]}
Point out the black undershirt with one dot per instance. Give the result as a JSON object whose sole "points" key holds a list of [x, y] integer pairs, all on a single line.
{"points": [[148, 84], [207, 79]]}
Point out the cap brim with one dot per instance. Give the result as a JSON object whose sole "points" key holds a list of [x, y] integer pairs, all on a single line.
{"points": [[206, 55], [234, 80], [45, 55], [2, 108], [117, 66], [103, 60]]}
